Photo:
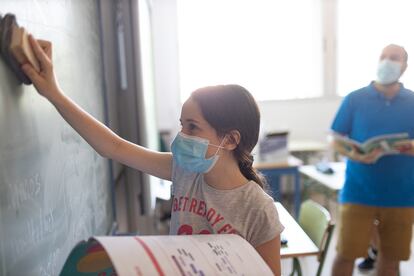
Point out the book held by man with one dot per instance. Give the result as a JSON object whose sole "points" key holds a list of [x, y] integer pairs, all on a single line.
{"points": [[385, 142], [165, 255]]}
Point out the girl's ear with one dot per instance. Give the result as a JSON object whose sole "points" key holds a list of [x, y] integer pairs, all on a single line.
{"points": [[232, 139]]}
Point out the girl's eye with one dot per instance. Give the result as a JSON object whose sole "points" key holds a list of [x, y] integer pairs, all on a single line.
{"points": [[192, 126]]}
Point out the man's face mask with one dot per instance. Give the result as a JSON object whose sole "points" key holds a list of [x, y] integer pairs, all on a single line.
{"points": [[189, 152], [388, 71]]}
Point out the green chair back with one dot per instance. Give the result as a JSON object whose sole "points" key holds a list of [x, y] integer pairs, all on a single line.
{"points": [[316, 221]]}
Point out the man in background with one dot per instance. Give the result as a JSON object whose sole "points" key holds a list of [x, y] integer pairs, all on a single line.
{"points": [[377, 189]]}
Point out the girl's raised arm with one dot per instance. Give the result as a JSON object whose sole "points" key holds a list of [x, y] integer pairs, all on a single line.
{"points": [[100, 137]]}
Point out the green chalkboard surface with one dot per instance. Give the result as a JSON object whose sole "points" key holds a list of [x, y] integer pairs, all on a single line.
{"points": [[54, 189]]}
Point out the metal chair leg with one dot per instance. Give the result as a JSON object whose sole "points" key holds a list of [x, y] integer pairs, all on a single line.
{"points": [[296, 268]]}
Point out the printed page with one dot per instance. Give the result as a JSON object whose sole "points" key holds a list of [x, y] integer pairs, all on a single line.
{"points": [[184, 255], [385, 142]]}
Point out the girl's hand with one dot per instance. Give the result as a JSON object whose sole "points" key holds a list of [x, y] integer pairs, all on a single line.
{"points": [[44, 81], [368, 158], [406, 147]]}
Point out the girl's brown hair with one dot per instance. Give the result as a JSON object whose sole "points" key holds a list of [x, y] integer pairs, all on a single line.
{"points": [[232, 107]]}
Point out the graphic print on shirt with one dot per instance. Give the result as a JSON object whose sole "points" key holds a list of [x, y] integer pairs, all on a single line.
{"points": [[197, 207]]}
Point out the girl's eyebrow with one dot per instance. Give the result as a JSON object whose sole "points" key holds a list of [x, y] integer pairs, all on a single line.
{"points": [[190, 121]]}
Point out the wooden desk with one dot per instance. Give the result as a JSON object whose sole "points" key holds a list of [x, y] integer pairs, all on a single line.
{"points": [[274, 170], [299, 244], [333, 181]]}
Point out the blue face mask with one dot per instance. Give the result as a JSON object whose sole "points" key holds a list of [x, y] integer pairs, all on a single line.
{"points": [[388, 71], [189, 152]]}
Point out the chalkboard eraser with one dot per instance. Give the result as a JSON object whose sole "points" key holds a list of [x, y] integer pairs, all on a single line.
{"points": [[7, 25], [21, 49]]}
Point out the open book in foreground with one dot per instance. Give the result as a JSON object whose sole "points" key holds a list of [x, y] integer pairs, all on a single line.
{"points": [[385, 142], [165, 255]]}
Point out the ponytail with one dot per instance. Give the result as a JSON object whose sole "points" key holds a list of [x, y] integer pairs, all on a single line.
{"points": [[245, 162]]}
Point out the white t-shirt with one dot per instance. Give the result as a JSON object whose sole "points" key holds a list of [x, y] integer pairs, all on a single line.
{"points": [[201, 209]]}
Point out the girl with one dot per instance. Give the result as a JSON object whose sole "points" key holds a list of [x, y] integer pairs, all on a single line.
{"points": [[215, 188]]}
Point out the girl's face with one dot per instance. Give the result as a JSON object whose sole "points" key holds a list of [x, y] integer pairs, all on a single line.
{"points": [[194, 124]]}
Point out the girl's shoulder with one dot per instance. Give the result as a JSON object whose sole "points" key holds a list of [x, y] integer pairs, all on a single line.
{"points": [[181, 178], [258, 196], [258, 191]]}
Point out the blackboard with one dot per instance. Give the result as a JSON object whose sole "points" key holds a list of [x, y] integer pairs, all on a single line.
{"points": [[54, 189]]}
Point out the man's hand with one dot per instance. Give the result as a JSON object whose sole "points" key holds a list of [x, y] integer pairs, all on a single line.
{"points": [[368, 158], [405, 147]]}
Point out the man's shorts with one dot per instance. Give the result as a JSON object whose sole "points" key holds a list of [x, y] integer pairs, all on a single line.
{"points": [[357, 225]]}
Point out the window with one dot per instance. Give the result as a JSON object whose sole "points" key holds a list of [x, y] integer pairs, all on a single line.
{"points": [[364, 28], [271, 47]]}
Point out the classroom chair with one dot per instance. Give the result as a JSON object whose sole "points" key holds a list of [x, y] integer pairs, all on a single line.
{"points": [[317, 224]]}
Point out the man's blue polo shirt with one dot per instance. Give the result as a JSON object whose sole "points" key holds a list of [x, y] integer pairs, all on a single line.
{"points": [[363, 114]]}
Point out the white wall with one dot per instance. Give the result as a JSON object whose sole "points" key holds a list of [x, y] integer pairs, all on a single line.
{"points": [[305, 119]]}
